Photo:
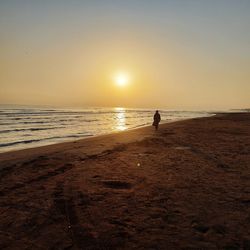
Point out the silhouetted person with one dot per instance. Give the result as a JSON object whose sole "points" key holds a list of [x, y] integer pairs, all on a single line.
{"points": [[157, 119]]}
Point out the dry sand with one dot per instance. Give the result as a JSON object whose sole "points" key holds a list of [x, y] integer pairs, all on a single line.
{"points": [[186, 186]]}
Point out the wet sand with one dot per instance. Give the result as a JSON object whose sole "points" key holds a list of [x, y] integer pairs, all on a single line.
{"points": [[186, 186]]}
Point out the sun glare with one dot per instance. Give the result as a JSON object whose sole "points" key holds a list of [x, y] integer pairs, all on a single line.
{"points": [[121, 79]]}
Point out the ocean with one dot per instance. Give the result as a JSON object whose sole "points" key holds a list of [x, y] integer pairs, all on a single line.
{"points": [[28, 127]]}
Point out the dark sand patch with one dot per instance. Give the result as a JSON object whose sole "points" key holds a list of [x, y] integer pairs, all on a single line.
{"points": [[117, 184]]}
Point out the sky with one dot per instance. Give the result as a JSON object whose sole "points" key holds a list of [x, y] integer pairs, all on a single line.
{"points": [[179, 54]]}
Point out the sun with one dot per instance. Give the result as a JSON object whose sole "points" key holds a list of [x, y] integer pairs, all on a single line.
{"points": [[121, 79]]}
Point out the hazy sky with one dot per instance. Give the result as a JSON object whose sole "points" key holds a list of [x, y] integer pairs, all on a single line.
{"points": [[177, 54]]}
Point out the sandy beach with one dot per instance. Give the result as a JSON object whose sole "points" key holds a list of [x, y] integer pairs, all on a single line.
{"points": [[186, 186]]}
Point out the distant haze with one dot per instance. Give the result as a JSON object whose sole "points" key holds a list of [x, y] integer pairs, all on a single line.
{"points": [[179, 54]]}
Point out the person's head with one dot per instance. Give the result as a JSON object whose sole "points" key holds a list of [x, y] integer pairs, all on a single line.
{"points": [[156, 111]]}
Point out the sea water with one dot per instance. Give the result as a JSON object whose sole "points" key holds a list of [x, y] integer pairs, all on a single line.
{"points": [[27, 127]]}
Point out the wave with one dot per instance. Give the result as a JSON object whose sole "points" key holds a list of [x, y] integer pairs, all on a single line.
{"points": [[45, 112], [50, 113], [8, 144], [17, 142], [27, 129], [141, 125], [50, 121]]}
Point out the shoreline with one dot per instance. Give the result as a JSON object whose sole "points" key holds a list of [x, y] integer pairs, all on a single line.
{"points": [[185, 186], [113, 132], [16, 138]]}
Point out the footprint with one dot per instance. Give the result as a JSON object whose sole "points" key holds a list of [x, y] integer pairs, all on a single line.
{"points": [[116, 184], [200, 227], [219, 229]]}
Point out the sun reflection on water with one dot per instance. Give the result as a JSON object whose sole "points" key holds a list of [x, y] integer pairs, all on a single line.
{"points": [[120, 119]]}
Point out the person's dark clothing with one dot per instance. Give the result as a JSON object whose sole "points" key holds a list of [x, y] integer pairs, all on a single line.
{"points": [[157, 119]]}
